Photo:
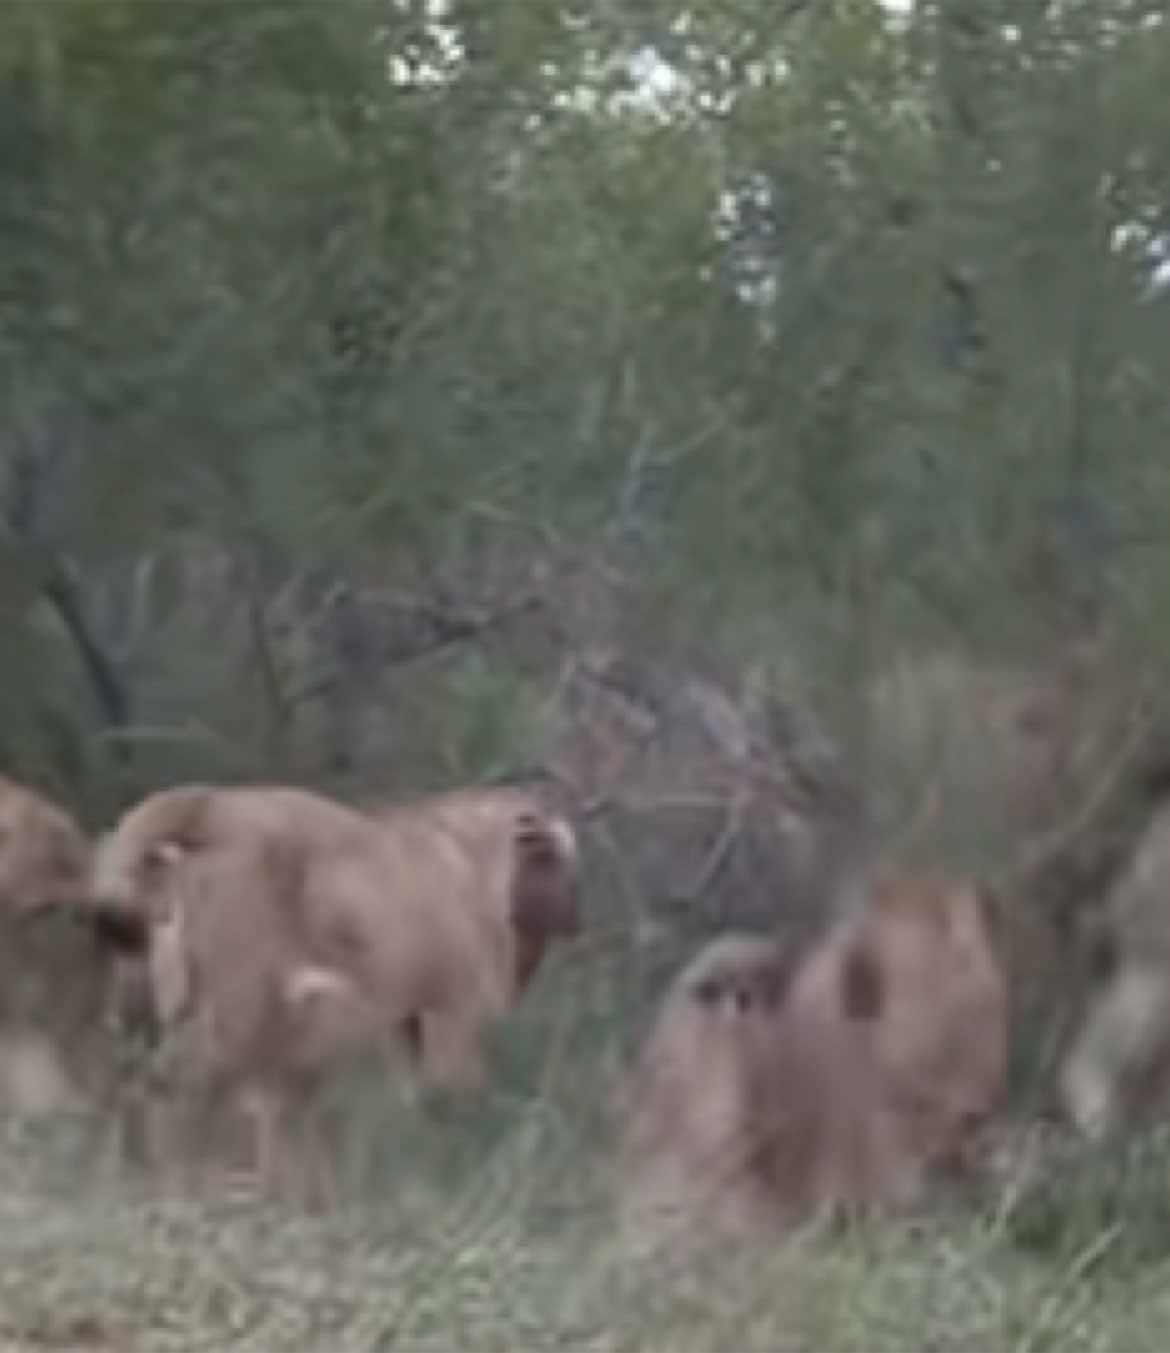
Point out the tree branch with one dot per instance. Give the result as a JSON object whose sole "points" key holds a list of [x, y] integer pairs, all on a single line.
{"points": [[108, 687]]}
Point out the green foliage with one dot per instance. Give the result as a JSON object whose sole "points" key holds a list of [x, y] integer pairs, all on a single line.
{"points": [[483, 721], [836, 340]]}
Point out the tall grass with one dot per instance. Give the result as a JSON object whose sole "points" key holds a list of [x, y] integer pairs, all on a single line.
{"points": [[491, 1227]]}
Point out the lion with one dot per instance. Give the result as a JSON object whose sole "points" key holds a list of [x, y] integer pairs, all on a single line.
{"points": [[245, 1020], [775, 1087], [749, 1110], [58, 963], [690, 1138], [922, 953], [1117, 1069], [394, 912], [44, 855]]}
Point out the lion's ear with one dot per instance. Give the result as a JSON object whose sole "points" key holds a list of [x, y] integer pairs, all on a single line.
{"points": [[160, 857], [862, 983]]}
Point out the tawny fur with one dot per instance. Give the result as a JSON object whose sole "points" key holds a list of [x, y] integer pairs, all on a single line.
{"points": [[527, 863], [56, 972], [768, 1090], [398, 911], [940, 1034], [44, 856], [748, 1112], [691, 1136], [245, 1019]]}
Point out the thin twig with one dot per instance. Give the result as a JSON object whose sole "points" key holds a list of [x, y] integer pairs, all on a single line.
{"points": [[106, 681], [634, 897], [556, 542], [280, 710], [1042, 850], [720, 850]]}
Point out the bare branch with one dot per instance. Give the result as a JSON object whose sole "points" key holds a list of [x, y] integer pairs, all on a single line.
{"points": [[110, 690], [1041, 852]]}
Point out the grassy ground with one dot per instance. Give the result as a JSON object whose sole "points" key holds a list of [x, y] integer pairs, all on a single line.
{"points": [[491, 1229], [524, 1257]]}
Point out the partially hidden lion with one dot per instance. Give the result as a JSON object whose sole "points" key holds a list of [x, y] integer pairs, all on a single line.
{"points": [[775, 1086]]}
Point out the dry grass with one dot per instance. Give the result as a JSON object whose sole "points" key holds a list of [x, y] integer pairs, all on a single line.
{"points": [[521, 1254], [491, 1229]]}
